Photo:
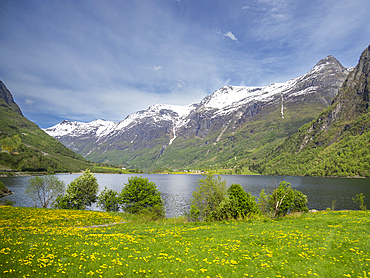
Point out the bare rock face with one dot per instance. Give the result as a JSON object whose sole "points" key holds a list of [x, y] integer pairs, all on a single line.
{"points": [[353, 99]]}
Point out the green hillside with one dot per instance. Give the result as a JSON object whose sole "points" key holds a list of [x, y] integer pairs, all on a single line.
{"points": [[25, 147]]}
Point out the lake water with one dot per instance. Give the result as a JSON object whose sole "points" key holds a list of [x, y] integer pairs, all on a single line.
{"points": [[176, 190]]}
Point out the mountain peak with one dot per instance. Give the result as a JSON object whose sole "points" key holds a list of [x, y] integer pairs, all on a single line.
{"points": [[8, 98], [328, 63]]}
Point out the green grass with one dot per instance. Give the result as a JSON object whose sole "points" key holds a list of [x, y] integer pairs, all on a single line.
{"points": [[57, 243]]}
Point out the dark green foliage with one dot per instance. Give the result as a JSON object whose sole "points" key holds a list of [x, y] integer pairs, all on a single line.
{"points": [[347, 157], [284, 199], [4, 191], [212, 202], [81, 193], [226, 210], [360, 200], [108, 200], [238, 205], [207, 197], [281, 199], [141, 195], [244, 201], [44, 190], [299, 202]]}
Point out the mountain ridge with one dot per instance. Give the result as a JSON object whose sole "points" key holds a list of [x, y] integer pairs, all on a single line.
{"points": [[215, 118], [336, 143]]}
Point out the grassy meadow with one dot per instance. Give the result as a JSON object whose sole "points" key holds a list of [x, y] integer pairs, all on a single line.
{"points": [[68, 243]]}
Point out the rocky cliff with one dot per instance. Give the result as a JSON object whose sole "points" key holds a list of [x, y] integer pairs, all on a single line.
{"points": [[7, 97]]}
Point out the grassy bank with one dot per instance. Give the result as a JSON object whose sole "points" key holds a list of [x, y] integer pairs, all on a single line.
{"points": [[61, 243]]}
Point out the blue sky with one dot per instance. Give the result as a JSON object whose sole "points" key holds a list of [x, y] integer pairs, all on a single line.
{"points": [[93, 59]]}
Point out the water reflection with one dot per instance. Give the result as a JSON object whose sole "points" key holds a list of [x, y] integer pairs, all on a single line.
{"points": [[176, 190]]}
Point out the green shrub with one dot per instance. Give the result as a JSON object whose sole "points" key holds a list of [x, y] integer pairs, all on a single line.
{"points": [[360, 199], [207, 197], [141, 196], [299, 202], [2, 187], [281, 199], [263, 204], [284, 200], [226, 210], [108, 200], [81, 193], [245, 203]]}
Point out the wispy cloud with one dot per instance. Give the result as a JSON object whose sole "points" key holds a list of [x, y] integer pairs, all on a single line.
{"points": [[230, 35], [87, 59], [157, 68]]}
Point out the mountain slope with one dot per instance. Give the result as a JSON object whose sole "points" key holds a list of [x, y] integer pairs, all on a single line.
{"points": [[24, 146], [224, 128], [337, 142]]}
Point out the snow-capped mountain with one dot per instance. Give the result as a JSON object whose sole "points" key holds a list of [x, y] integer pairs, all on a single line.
{"points": [[222, 113]]}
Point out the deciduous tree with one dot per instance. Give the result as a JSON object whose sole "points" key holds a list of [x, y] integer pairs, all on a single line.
{"points": [[44, 190], [81, 193], [207, 197]]}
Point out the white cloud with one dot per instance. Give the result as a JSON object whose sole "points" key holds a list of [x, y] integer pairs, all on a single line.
{"points": [[230, 35], [157, 68], [128, 57]]}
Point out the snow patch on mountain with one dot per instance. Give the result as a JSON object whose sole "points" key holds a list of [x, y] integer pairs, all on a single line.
{"points": [[75, 129], [224, 101]]}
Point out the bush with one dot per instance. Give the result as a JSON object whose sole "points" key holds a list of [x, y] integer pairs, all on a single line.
{"points": [[281, 199], [226, 210], [207, 197], [284, 199], [299, 202], [244, 201], [44, 190], [140, 195], [81, 193], [263, 204], [360, 199], [108, 200]]}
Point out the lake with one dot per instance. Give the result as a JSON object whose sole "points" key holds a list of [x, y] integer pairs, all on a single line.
{"points": [[176, 190]]}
